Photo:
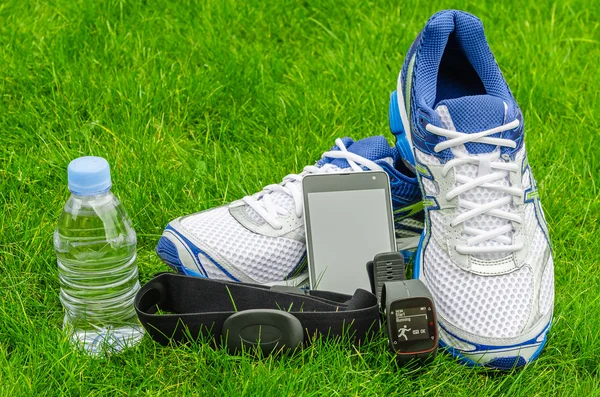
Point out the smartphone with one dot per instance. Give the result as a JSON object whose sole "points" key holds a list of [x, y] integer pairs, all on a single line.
{"points": [[348, 220]]}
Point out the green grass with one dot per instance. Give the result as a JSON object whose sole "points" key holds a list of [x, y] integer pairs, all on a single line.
{"points": [[197, 103]]}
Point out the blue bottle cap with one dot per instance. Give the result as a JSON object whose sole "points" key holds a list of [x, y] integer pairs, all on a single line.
{"points": [[89, 175]]}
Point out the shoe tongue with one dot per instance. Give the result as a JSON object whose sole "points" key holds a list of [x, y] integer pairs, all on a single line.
{"points": [[373, 148], [471, 114]]}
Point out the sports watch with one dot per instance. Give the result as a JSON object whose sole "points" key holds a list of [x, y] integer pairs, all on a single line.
{"points": [[411, 324], [408, 309]]}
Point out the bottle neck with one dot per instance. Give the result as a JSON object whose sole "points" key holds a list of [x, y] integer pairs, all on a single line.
{"points": [[94, 196]]}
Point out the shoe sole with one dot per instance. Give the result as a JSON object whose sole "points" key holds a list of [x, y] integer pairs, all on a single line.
{"points": [[494, 357]]}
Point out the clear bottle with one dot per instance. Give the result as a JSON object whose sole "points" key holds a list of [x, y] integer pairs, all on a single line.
{"points": [[96, 250]]}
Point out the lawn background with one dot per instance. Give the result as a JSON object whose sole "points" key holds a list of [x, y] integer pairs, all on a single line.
{"points": [[197, 103]]}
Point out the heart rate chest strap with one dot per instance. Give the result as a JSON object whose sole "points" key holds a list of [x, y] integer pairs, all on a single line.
{"points": [[239, 314]]}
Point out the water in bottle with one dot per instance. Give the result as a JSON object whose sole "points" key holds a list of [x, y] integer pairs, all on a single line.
{"points": [[96, 250]]}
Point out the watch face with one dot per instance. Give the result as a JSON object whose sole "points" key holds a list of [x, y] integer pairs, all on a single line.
{"points": [[411, 325]]}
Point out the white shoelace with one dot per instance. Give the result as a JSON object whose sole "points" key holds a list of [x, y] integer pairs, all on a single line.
{"points": [[291, 185], [491, 168]]}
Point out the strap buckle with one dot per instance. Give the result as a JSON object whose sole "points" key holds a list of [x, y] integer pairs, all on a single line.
{"points": [[266, 329]]}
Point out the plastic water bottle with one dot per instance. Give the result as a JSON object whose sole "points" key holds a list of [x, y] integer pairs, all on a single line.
{"points": [[96, 250]]}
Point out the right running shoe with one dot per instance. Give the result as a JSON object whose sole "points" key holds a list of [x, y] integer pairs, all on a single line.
{"points": [[485, 254], [260, 238]]}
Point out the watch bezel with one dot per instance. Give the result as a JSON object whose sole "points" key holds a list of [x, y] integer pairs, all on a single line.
{"points": [[421, 346]]}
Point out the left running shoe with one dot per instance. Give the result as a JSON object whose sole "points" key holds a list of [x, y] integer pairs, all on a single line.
{"points": [[260, 238]]}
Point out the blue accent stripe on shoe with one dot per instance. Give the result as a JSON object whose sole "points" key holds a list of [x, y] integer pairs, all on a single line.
{"points": [[502, 363], [194, 251], [482, 347], [167, 251], [456, 354], [507, 363], [417, 264], [299, 268], [397, 129]]}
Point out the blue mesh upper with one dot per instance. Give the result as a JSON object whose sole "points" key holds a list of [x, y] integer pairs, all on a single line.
{"points": [[347, 142], [471, 39]]}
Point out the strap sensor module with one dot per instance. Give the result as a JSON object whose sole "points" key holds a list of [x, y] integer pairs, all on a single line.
{"points": [[266, 329]]}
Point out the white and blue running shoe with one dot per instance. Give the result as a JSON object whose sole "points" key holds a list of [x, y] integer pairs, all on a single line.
{"points": [[260, 238], [485, 253]]}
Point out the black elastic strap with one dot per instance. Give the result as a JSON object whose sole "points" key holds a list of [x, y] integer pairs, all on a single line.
{"points": [[197, 307]]}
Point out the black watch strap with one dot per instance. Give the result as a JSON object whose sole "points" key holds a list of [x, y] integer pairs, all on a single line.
{"points": [[385, 267], [392, 291]]}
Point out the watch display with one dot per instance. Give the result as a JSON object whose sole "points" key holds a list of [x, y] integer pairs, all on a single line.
{"points": [[412, 325]]}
